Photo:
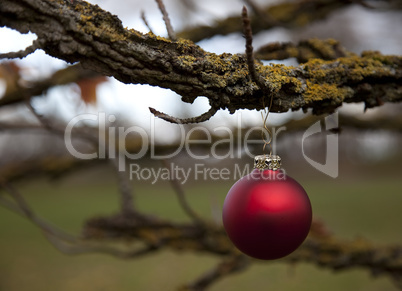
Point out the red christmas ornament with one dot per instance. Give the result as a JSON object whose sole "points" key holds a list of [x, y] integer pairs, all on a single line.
{"points": [[267, 214]]}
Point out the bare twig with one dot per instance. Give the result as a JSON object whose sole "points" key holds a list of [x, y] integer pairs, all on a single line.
{"points": [[36, 44], [144, 19], [85, 247], [21, 207], [42, 120], [203, 117], [181, 196], [166, 19], [17, 128], [125, 189], [124, 185], [61, 240], [61, 77], [233, 264], [248, 34]]}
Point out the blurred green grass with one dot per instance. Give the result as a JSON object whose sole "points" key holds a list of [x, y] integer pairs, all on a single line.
{"points": [[369, 208]]}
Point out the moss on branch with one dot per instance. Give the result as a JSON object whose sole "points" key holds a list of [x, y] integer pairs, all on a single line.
{"points": [[81, 32], [304, 51], [288, 14], [320, 248]]}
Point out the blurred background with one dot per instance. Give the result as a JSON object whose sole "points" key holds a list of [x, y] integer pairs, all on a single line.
{"points": [[364, 200]]}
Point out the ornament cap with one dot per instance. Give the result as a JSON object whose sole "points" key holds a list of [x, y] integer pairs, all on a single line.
{"points": [[265, 162]]}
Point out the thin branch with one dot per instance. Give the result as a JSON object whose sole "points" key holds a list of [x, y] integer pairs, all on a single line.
{"points": [[228, 266], [42, 120], [61, 77], [181, 196], [21, 207], [248, 34], [83, 133], [85, 247], [36, 44], [201, 118], [61, 240], [166, 19], [29, 127], [125, 189], [144, 19]]}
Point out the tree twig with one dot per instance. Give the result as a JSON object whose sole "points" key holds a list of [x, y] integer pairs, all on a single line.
{"points": [[21, 207], [201, 118], [87, 247], [166, 19], [144, 19], [181, 196], [61, 77], [248, 34], [230, 265], [36, 44], [125, 189]]}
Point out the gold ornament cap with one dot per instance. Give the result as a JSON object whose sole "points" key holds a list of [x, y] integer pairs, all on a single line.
{"points": [[267, 162]]}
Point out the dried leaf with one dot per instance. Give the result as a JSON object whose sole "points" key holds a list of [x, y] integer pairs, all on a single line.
{"points": [[88, 88]]}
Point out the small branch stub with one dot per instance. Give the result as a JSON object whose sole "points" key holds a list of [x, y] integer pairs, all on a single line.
{"points": [[267, 162]]}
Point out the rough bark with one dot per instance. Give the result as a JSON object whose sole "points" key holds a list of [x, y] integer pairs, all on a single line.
{"points": [[81, 32]]}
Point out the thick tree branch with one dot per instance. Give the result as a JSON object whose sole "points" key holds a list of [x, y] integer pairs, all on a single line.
{"points": [[289, 14], [65, 76], [321, 248], [83, 32], [304, 51], [197, 119]]}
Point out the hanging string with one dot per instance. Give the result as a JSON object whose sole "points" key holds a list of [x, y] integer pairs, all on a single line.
{"points": [[256, 77], [265, 127]]}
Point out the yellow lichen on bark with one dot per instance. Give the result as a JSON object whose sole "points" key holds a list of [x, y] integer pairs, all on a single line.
{"points": [[319, 92]]}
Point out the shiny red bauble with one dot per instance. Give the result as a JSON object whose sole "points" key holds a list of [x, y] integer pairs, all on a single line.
{"points": [[267, 214]]}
